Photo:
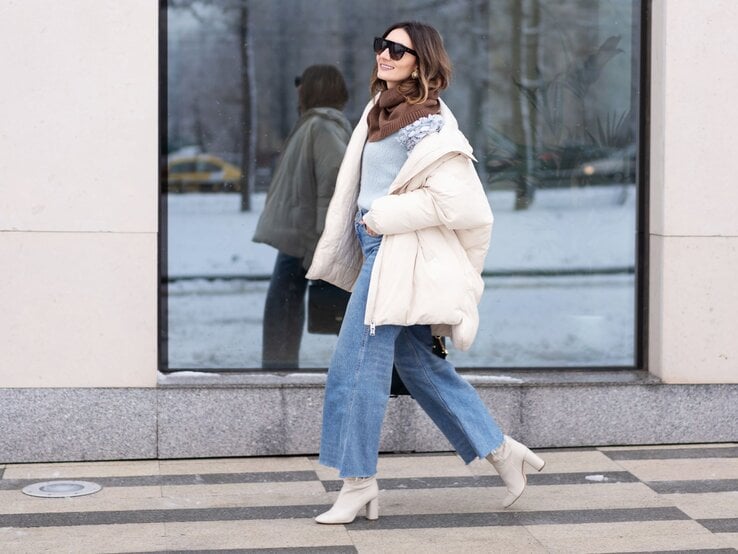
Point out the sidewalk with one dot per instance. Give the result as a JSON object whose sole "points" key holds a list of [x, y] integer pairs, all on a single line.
{"points": [[618, 499]]}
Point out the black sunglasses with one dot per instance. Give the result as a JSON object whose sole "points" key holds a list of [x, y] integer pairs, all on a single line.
{"points": [[396, 50]]}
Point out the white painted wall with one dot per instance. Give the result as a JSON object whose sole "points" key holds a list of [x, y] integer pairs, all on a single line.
{"points": [[78, 192], [694, 192]]}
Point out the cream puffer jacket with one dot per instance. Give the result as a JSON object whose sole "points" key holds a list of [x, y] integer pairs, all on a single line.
{"points": [[436, 224]]}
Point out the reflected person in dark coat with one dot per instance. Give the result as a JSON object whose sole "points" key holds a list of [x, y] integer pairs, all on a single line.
{"points": [[296, 204]]}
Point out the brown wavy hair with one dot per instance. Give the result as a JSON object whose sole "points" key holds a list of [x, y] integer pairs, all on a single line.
{"points": [[322, 86], [434, 65]]}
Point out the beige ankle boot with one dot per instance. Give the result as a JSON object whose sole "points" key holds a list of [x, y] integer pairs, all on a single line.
{"points": [[508, 460], [355, 494]]}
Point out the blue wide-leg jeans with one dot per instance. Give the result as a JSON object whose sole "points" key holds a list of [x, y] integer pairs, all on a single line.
{"points": [[359, 378]]}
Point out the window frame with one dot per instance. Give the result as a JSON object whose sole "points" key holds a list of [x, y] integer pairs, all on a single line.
{"points": [[641, 269]]}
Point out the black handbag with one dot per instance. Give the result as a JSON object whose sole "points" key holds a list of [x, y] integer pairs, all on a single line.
{"points": [[326, 306], [439, 346], [398, 388]]}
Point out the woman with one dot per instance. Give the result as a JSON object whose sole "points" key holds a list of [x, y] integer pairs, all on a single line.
{"points": [[407, 231], [296, 204]]}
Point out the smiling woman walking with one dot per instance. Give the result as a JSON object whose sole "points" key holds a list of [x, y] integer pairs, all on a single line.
{"points": [[407, 231]]}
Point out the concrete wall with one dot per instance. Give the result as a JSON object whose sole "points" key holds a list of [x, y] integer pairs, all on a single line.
{"points": [[694, 192], [227, 416], [78, 193]]}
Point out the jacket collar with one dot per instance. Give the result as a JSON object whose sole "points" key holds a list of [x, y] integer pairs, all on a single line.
{"points": [[449, 141]]}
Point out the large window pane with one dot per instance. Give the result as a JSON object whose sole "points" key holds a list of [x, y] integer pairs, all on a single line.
{"points": [[548, 93]]}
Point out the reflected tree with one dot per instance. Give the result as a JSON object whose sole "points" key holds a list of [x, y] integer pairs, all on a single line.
{"points": [[561, 115], [479, 79], [526, 21], [525, 83]]}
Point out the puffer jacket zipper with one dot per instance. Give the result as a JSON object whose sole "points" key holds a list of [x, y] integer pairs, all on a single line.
{"points": [[371, 298], [369, 317]]}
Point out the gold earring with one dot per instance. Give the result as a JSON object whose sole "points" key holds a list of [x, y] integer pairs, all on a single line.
{"points": [[414, 74]]}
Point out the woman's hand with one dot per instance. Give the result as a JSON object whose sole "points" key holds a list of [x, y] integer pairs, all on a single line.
{"points": [[369, 230]]}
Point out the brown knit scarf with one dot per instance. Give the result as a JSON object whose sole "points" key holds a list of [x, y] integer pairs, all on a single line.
{"points": [[391, 113]]}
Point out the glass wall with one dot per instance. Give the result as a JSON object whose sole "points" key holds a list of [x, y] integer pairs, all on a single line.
{"points": [[548, 94]]}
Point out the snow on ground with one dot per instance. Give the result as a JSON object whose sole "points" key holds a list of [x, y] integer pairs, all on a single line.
{"points": [[564, 228], [524, 321]]}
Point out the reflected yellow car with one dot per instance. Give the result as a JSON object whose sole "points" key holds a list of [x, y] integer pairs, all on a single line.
{"points": [[202, 173]]}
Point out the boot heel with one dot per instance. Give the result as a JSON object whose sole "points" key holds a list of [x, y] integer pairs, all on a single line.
{"points": [[356, 493], [372, 509], [534, 460]]}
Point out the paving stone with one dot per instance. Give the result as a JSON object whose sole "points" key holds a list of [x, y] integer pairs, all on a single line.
{"points": [[585, 500]]}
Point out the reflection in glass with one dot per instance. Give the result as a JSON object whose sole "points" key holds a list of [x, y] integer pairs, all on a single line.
{"points": [[296, 205], [548, 94]]}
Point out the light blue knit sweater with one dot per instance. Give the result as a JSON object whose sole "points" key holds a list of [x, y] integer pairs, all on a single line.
{"points": [[382, 160]]}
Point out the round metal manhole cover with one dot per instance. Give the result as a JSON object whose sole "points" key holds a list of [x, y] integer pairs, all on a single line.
{"points": [[61, 489]]}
